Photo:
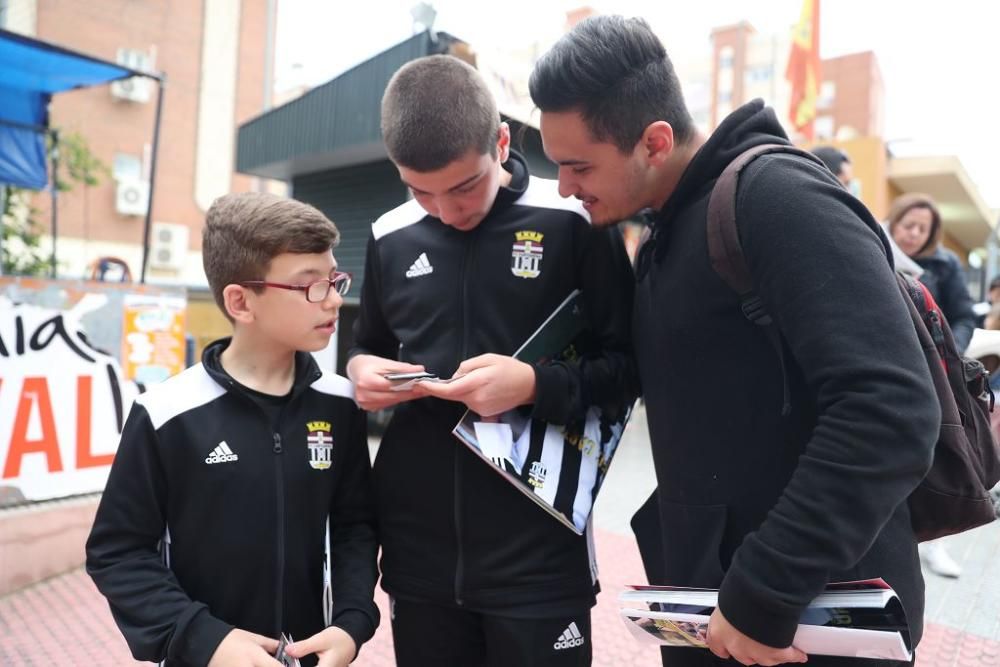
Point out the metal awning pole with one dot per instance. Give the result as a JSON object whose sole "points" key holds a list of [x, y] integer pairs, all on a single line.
{"points": [[54, 270], [3, 208], [162, 81]]}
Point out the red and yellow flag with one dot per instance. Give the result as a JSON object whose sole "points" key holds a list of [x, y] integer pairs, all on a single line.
{"points": [[804, 69]]}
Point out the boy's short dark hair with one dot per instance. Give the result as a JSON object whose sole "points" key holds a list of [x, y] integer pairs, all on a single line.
{"points": [[244, 232], [615, 72], [434, 111]]}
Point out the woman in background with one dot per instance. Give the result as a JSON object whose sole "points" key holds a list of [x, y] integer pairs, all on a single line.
{"points": [[915, 226]]}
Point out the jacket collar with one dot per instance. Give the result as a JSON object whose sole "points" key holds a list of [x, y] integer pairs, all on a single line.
{"points": [[306, 369], [509, 194]]}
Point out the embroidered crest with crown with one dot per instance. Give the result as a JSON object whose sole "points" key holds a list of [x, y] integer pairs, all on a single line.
{"points": [[526, 256], [537, 474], [320, 445]]}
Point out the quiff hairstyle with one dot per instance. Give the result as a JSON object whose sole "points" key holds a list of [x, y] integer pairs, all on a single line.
{"points": [[434, 111], [616, 74], [244, 232]]}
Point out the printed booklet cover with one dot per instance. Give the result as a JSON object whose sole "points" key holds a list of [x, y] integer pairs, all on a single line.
{"points": [[858, 619], [560, 468]]}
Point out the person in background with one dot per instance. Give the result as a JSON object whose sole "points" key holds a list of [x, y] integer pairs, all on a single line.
{"points": [[915, 226], [839, 162], [993, 291]]}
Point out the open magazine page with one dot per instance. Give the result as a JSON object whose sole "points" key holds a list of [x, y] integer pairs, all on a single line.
{"points": [[856, 619], [691, 630], [561, 468], [871, 593]]}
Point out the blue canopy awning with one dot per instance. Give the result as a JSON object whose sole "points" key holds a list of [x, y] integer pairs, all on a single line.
{"points": [[31, 71]]}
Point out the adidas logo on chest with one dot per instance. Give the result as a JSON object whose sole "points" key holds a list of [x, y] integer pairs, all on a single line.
{"points": [[221, 454], [421, 267]]}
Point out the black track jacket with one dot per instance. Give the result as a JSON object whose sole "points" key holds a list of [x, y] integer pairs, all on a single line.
{"points": [[244, 506], [452, 530]]}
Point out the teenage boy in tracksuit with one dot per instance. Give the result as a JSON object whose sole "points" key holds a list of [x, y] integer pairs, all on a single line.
{"points": [[455, 280]]}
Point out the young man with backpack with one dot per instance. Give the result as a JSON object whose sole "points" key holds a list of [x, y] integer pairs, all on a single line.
{"points": [[778, 473]]}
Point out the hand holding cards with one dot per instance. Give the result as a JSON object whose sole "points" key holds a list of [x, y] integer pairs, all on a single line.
{"points": [[406, 381], [281, 656]]}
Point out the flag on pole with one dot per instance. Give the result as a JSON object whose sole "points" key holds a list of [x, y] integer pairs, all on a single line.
{"points": [[803, 70]]}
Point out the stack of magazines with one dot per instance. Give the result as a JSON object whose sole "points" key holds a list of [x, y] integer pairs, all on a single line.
{"points": [[858, 619]]}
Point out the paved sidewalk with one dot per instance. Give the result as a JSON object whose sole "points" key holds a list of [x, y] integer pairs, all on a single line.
{"points": [[64, 621]]}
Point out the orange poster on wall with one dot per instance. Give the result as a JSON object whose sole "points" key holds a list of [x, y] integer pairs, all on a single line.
{"points": [[153, 337]]}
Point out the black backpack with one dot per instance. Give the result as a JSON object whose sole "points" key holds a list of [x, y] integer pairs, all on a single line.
{"points": [[954, 496]]}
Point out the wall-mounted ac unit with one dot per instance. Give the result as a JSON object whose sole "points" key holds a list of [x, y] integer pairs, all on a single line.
{"points": [[168, 246], [132, 197], [135, 89]]}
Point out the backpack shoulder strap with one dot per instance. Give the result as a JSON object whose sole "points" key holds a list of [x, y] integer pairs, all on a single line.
{"points": [[725, 252]]}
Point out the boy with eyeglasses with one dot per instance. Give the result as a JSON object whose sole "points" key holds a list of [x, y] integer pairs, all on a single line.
{"points": [[238, 506]]}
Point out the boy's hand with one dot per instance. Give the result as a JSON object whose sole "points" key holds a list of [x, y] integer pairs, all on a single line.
{"points": [[488, 384], [371, 390], [241, 648], [333, 646], [726, 641]]}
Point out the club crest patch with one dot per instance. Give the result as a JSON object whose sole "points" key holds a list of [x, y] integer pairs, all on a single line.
{"points": [[526, 255], [537, 474], [320, 443]]}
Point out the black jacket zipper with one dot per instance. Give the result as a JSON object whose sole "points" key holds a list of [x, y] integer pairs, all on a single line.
{"points": [[459, 552], [279, 598]]}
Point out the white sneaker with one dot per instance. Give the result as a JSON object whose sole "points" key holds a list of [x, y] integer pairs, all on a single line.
{"points": [[939, 561]]}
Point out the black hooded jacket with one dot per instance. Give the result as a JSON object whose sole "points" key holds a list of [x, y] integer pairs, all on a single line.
{"points": [[770, 508]]}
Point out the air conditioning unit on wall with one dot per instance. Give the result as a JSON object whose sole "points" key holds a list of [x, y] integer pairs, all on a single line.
{"points": [[135, 89], [168, 246], [132, 197]]}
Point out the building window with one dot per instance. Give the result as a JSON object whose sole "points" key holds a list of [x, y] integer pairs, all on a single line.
{"points": [[127, 167], [827, 95], [759, 74], [135, 59], [726, 57], [823, 127]]}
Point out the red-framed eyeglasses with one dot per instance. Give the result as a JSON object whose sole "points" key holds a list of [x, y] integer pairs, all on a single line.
{"points": [[316, 291]]}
